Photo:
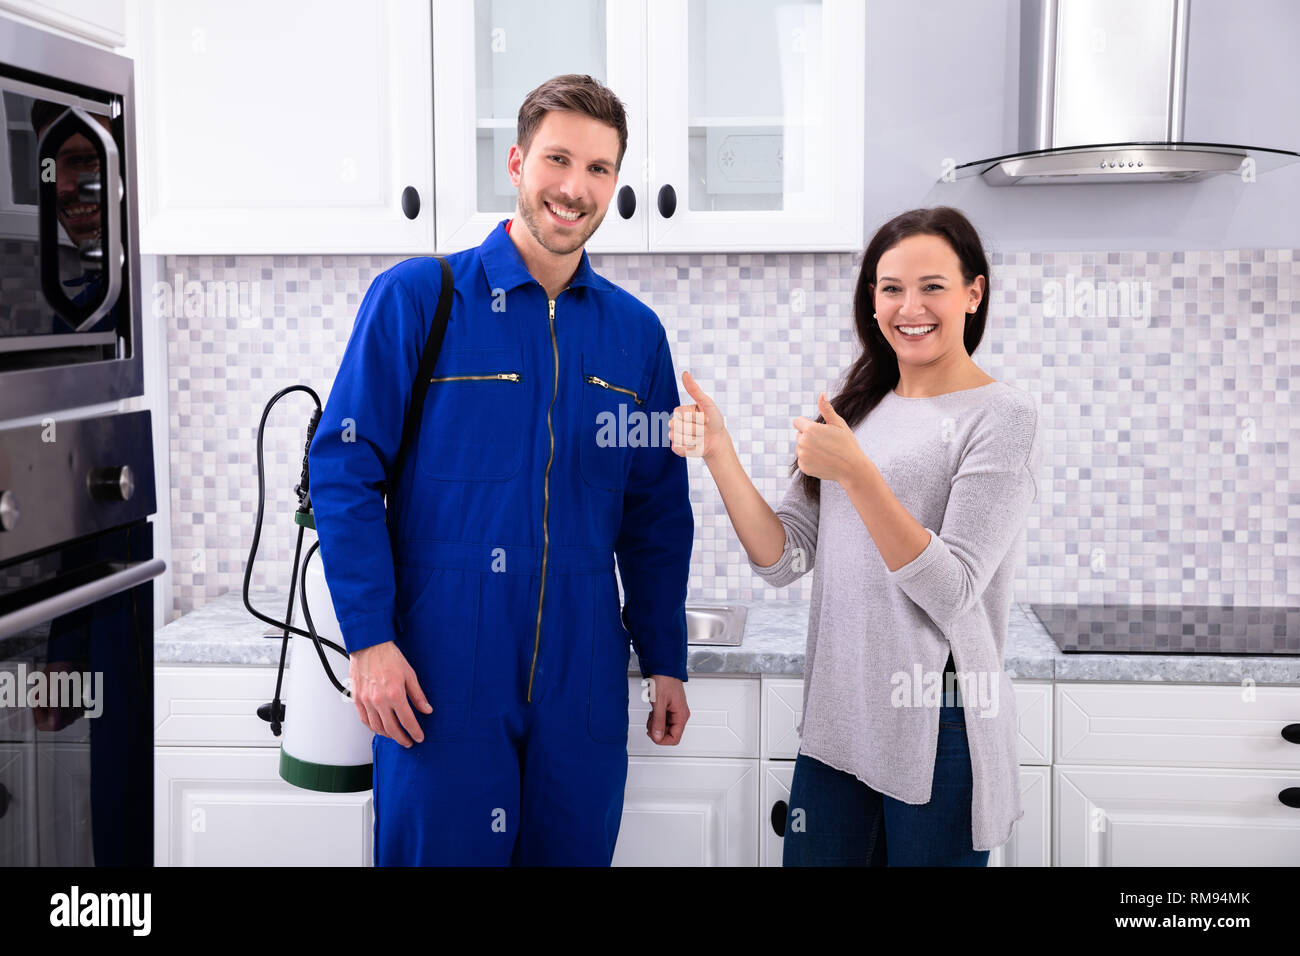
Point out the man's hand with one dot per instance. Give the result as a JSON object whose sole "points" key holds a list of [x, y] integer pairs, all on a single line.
{"points": [[381, 679], [670, 703]]}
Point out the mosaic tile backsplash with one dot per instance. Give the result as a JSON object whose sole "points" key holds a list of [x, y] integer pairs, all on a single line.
{"points": [[1171, 458]]}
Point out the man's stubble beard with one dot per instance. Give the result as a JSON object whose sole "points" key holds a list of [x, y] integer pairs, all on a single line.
{"points": [[534, 213]]}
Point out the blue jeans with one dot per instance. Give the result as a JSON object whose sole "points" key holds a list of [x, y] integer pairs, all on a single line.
{"points": [[847, 823]]}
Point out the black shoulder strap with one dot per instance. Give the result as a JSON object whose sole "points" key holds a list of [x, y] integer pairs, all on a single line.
{"points": [[428, 359]]}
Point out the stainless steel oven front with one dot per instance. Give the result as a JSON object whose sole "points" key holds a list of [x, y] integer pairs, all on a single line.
{"points": [[70, 306], [76, 642]]}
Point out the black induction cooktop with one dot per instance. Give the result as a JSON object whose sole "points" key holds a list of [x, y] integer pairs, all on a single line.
{"points": [[1171, 629]]}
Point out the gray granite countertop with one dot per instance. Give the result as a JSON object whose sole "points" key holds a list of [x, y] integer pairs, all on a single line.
{"points": [[224, 632]]}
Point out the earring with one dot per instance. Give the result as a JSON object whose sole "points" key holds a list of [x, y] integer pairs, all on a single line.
{"points": [[874, 316]]}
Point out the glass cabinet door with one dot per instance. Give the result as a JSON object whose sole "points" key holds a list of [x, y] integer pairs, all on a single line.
{"points": [[756, 124], [488, 55]]}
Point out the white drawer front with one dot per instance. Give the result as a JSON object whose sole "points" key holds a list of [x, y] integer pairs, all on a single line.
{"points": [[783, 704], [213, 705], [1033, 723], [782, 709], [1191, 725], [723, 722]]}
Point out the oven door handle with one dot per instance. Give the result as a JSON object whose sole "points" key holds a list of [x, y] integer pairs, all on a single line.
{"points": [[133, 573]]}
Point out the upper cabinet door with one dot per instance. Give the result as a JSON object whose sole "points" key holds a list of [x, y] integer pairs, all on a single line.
{"points": [[756, 124], [285, 127], [487, 56]]}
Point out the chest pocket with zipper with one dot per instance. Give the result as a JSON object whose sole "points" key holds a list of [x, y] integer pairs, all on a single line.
{"points": [[615, 420], [473, 423]]}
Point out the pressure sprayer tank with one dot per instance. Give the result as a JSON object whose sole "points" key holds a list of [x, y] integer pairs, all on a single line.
{"points": [[324, 745]]}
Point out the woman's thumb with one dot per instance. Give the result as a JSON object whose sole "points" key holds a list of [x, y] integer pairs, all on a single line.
{"points": [[693, 387]]}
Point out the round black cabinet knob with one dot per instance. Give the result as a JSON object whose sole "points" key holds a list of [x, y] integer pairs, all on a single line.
{"points": [[411, 202], [667, 201], [779, 811], [626, 202]]}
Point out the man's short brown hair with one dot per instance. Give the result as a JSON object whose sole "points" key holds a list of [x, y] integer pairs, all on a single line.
{"points": [[577, 93]]}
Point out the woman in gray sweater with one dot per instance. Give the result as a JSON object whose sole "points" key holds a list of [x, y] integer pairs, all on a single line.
{"points": [[909, 506]]}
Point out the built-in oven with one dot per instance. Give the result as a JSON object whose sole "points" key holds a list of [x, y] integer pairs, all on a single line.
{"points": [[70, 307], [77, 568]]}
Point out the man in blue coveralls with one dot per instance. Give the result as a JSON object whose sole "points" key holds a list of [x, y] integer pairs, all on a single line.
{"points": [[487, 593]]}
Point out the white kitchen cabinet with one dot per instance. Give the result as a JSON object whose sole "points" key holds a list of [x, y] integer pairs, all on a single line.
{"points": [[759, 133], [218, 796], [689, 811], [487, 56], [775, 778], [694, 803], [1030, 842], [1180, 725], [1174, 816], [227, 806], [724, 719], [284, 127], [1111, 775], [745, 117], [1182, 775], [99, 21], [783, 708]]}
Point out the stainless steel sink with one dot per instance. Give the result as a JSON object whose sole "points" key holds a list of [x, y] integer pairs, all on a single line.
{"points": [[723, 625]]}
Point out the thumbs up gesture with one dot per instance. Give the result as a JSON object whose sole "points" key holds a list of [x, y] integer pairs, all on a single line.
{"points": [[697, 430], [829, 451]]}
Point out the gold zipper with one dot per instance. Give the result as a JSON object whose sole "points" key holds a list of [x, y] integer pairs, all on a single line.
{"points": [[546, 497], [503, 376], [604, 384]]}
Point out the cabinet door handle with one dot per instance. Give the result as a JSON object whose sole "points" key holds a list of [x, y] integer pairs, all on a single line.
{"points": [[1291, 733], [779, 811], [626, 202], [1291, 797], [667, 201], [411, 202]]}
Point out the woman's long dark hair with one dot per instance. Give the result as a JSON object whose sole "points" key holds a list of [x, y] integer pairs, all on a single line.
{"points": [[876, 370]]}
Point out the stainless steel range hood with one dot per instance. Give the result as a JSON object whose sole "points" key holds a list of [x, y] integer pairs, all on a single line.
{"points": [[1102, 99]]}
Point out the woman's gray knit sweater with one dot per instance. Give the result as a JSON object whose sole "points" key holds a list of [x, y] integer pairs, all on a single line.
{"points": [[964, 465]]}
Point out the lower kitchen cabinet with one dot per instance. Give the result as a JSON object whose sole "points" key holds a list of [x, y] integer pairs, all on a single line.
{"points": [[1112, 774], [709, 801], [1173, 816], [1176, 775], [227, 806], [689, 811], [774, 782], [1030, 843]]}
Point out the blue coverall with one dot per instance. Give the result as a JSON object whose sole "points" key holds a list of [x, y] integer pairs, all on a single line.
{"points": [[497, 582]]}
